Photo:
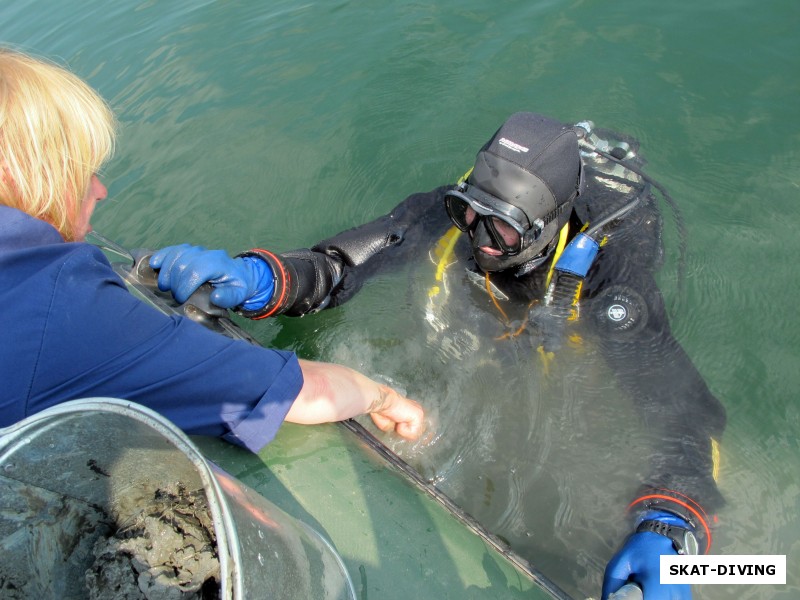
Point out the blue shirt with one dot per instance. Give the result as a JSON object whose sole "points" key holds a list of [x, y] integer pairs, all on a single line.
{"points": [[70, 329]]}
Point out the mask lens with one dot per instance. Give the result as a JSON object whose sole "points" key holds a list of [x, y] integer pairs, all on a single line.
{"points": [[508, 237], [461, 213], [470, 216]]}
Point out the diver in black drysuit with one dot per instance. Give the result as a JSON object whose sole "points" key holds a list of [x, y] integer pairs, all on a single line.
{"points": [[562, 226]]}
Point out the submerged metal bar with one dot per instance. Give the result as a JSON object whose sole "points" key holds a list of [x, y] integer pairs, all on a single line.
{"points": [[462, 516]]}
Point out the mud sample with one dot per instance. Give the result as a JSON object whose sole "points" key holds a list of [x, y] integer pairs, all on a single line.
{"points": [[166, 551], [46, 542]]}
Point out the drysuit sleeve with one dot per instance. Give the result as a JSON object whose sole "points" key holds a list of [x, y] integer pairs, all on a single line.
{"points": [[333, 270], [685, 419]]}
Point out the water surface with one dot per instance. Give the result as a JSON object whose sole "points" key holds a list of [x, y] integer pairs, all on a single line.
{"points": [[276, 124]]}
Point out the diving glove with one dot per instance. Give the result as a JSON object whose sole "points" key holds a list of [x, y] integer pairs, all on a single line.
{"points": [[303, 282], [246, 283], [639, 560]]}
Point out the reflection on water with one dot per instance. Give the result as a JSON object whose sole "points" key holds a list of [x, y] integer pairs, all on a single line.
{"points": [[545, 455], [277, 124]]}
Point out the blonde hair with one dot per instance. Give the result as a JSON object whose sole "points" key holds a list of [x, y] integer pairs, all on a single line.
{"points": [[55, 133]]}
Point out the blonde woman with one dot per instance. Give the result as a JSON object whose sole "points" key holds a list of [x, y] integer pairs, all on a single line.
{"points": [[72, 330]]}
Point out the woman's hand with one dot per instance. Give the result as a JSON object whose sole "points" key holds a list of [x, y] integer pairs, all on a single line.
{"points": [[333, 392]]}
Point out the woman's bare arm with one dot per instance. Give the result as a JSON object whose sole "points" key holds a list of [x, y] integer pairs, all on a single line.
{"points": [[333, 392]]}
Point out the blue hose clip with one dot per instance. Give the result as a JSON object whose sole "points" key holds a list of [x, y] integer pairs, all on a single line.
{"points": [[578, 256]]}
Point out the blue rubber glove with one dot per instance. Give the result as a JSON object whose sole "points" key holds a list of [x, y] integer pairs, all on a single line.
{"points": [[639, 561], [247, 282]]}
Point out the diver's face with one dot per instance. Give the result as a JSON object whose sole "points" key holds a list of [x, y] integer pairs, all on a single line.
{"points": [[488, 255], [491, 258], [500, 234], [475, 212]]}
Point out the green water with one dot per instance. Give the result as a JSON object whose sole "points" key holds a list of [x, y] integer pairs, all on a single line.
{"points": [[276, 124]]}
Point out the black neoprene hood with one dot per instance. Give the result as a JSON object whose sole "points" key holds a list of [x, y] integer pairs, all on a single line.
{"points": [[532, 162]]}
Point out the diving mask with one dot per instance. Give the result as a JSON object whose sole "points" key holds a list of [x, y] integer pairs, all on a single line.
{"points": [[507, 225]]}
